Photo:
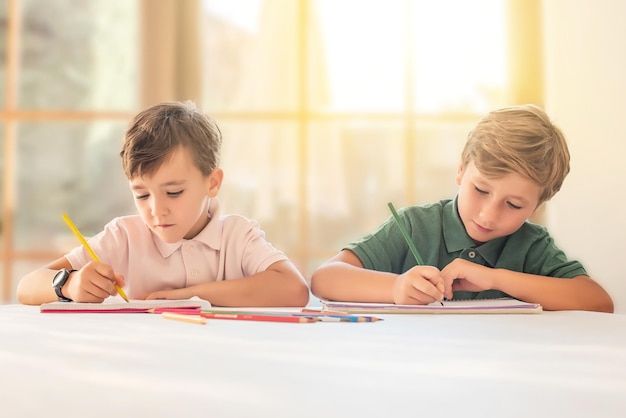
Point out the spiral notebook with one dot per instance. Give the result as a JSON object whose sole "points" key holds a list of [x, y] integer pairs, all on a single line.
{"points": [[483, 306], [117, 305]]}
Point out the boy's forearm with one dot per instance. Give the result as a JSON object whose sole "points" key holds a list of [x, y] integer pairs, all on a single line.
{"points": [[264, 289], [577, 293], [341, 281], [36, 287]]}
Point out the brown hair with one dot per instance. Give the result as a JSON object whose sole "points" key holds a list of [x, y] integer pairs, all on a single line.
{"points": [[155, 132], [521, 140]]}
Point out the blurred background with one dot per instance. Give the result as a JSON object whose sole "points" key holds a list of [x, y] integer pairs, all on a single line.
{"points": [[329, 109]]}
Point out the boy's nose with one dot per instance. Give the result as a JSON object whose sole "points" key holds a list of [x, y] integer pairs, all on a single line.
{"points": [[488, 214], [157, 207]]}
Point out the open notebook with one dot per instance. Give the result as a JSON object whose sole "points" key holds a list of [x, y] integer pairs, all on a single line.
{"points": [[117, 305], [483, 306]]}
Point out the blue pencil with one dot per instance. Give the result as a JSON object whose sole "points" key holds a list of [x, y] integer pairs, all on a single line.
{"points": [[344, 318]]}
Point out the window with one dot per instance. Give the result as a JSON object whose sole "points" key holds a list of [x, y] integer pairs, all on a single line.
{"points": [[69, 73], [329, 108], [332, 108]]}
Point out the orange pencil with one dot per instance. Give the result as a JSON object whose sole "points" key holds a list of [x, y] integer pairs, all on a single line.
{"points": [[182, 311], [256, 317], [194, 319], [322, 312]]}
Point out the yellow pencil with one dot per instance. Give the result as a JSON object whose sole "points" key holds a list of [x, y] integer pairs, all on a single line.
{"points": [[89, 250]]}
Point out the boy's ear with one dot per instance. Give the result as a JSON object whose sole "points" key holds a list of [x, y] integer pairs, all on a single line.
{"points": [[459, 173], [214, 182]]}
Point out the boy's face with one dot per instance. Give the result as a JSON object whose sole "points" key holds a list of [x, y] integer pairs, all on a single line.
{"points": [[174, 201], [492, 208]]}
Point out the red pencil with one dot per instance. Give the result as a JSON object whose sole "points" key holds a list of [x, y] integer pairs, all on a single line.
{"points": [[256, 317]]}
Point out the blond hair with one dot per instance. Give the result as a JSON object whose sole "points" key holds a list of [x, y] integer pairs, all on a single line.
{"points": [[155, 132], [520, 140]]}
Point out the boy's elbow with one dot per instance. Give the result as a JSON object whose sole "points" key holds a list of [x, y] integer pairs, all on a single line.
{"points": [[21, 299], [591, 296], [314, 284], [299, 294], [303, 295], [318, 281], [603, 301], [297, 288], [606, 305], [24, 297], [600, 303]]}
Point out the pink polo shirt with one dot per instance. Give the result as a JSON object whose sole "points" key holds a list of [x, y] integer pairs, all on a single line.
{"points": [[229, 247]]}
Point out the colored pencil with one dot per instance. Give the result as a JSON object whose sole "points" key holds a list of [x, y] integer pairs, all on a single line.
{"points": [[320, 316], [91, 252], [407, 238], [258, 317], [193, 319], [346, 318], [321, 311], [182, 311], [405, 234]]}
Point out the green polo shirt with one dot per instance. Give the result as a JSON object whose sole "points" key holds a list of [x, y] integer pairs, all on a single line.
{"points": [[440, 237]]}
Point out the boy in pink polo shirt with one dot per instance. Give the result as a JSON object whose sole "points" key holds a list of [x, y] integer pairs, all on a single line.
{"points": [[180, 245]]}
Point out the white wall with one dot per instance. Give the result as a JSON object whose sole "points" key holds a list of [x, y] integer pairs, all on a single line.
{"points": [[585, 58]]}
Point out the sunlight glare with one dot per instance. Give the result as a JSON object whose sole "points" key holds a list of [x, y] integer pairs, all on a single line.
{"points": [[458, 53], [242, 13]]}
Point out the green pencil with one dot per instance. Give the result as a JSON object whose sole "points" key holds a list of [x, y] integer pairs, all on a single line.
{"points": [[405, 234]]}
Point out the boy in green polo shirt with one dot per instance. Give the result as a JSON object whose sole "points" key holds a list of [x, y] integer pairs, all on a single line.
{"points": [[479, 244]]}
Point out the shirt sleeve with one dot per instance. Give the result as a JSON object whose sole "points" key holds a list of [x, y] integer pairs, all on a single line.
{"points": [[111, 245], [542, 256], [384, 250], [546, 259], [246, 249]]}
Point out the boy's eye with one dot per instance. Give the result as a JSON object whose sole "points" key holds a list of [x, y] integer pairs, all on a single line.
{"points": [[513, 206], [174, 194], [141, 196], [480, 191]]}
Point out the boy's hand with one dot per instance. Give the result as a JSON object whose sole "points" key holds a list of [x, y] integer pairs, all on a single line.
{"points": [[93, 283], [420, 285], [465, 275]]}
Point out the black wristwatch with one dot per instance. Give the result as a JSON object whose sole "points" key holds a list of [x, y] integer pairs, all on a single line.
{"points": [[58, 281]]}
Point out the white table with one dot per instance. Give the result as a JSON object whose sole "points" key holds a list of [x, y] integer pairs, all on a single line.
{"points": [[555, 364]]}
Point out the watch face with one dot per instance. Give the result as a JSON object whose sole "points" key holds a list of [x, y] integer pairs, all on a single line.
{"points": [[58, 281], [60, 278]]}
